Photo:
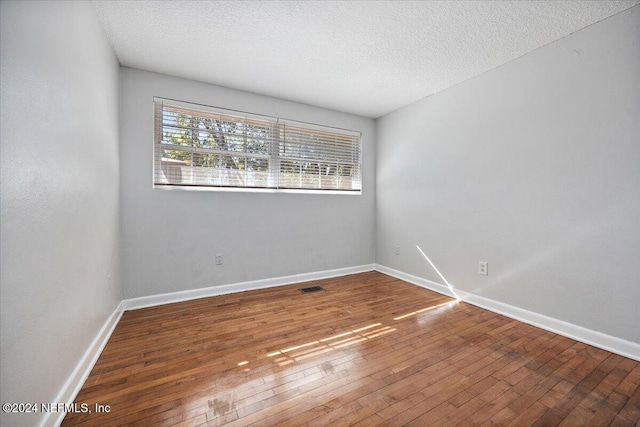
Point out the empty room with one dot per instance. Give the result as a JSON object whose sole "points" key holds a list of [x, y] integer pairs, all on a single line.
{"points": [[320, 213]]}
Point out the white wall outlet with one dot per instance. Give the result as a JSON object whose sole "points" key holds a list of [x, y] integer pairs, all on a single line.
{"points": [[397, 250], [483, 268], [219, 259]]}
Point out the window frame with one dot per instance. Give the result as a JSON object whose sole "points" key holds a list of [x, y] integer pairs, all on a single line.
{"points": [[274, 156]]}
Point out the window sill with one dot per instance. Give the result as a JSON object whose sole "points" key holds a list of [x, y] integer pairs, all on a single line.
{"points": [[255, 190]]}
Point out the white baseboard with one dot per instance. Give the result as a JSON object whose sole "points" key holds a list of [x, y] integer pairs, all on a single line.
{"points": [[588, 336], [76, 380], [415, 280], [168, 298]]}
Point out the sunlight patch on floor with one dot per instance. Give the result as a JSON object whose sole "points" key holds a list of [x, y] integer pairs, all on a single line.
{"points": [[324, 345], [422, 310]]}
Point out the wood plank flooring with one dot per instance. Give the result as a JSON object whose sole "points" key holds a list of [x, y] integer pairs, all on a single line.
{"points": [[368, 350]]}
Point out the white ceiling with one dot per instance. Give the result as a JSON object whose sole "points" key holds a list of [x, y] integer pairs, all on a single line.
{"points": [[362, 57]]}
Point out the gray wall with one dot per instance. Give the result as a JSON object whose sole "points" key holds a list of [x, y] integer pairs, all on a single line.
{"points": [[59, 218], [170, 238], [533, 167]]}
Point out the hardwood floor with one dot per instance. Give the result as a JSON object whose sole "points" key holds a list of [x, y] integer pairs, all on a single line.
{"points": [[368, 350]]}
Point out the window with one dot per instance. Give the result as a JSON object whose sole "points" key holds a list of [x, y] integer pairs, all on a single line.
{"points": [[199, 146]]}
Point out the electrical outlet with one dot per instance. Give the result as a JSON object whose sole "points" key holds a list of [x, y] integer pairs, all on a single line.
{"points": [[483, 268], [219, 259], [108, 281], [397, 250]]}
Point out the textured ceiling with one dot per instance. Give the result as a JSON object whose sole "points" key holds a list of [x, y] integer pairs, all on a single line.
{"points": [[361, 57]]}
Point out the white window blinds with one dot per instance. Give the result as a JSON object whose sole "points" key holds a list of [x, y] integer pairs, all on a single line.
{"points": [[206, 147]]}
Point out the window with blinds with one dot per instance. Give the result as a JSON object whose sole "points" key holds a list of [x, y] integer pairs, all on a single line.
{"points": [[199, 146]]}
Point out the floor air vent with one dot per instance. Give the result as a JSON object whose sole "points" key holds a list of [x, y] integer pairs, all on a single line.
{"points": [[312, 289]]}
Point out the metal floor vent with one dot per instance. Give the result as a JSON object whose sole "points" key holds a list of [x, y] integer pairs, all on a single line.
{"points": [[311, 289]]}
